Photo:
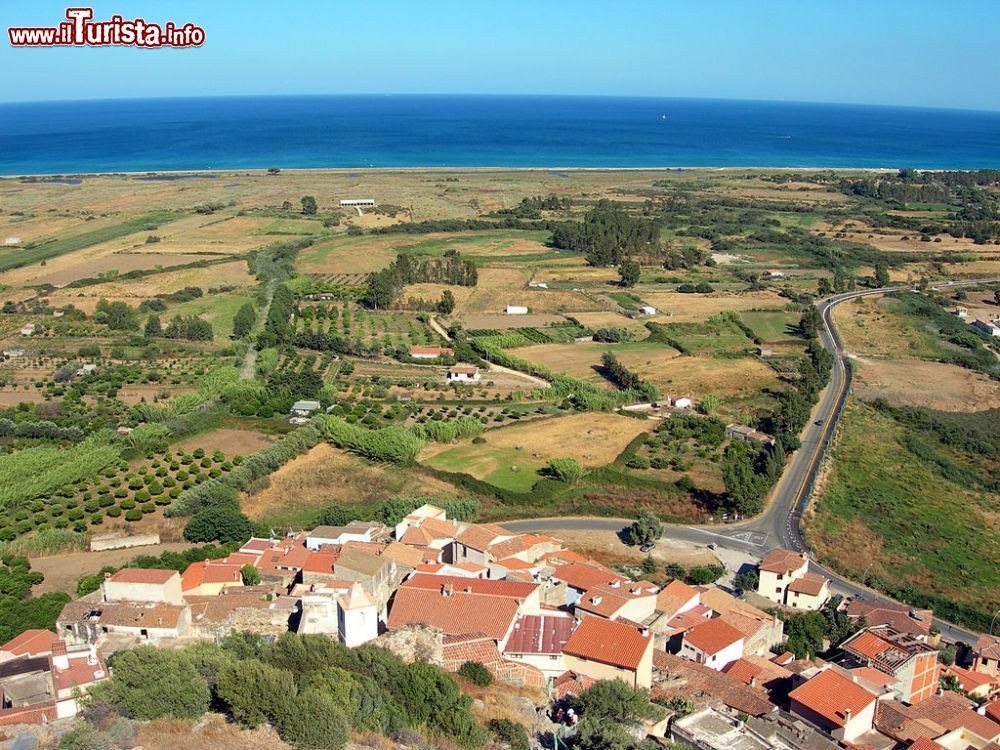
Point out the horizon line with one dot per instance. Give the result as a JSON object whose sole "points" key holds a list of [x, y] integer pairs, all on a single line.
{"points": [[497, 96]]}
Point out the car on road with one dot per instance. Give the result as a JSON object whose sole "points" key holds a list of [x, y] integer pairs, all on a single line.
{"points": [[818, 422], [713, 545], [647, 547]]}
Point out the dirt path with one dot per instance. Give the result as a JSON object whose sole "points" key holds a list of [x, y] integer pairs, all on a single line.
{"points": [[249, 368], [539, 382], [62, 571]]}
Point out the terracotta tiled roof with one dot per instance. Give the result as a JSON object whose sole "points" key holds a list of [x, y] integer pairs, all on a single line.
{"points": [[481, 536], [257, 545], [608, 642], [403, 554], [143, 575], [722, 602], [690, 679], [988, 646], [457, 613], [320, 562], [884, 647], [566, 556], [951, 711], [417, 536], [606, 600], [440, 528], [742, 670], [508, 589], [243, 558], [748, 626], [762, 673], [571, 683], [540, 634], [786, 657], [968, 679], [31, 643], [925, 743], [207, 571], [434, 351], [831, 695], [993, 710], [79, 673], [890, 613], [514, 563], [782, 561], [712, 636], [675, 595], [872, 675], [688, 619], [583, 577], [810, 584], [464, 370]]}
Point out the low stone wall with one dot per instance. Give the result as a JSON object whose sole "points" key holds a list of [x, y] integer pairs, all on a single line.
{"points": [[114, 541]]}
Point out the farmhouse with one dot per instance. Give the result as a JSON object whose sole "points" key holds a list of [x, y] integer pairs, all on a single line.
{"points": [[647, 310], [515, 310], [356, 202], [464, 374], [430, 352], [772, 273], [681, 403], [305, 408], [746, 434], [986, 327]]}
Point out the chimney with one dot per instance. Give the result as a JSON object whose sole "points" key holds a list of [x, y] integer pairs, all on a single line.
{"points": [[643, 631], [753, 681], [447, 589], [847, 715], [92, 658]]}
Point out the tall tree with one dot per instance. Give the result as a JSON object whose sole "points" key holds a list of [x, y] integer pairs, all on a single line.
{"points": [[309, 206], [628, 272], [246, 316]]}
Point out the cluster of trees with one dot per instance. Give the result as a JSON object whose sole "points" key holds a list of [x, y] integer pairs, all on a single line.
{"points": [[312, 689], [611, 715], [749, 470], [608, 235], [646, 529], [384, 287], [613, 335], [567, 470], [117, 315], [805, 632], [187, 327], [279, 326], [186, 294], [244, 321], [531, 208], [17, 577], [43, 430], [219, 523], [625, 379], [702, 287]]}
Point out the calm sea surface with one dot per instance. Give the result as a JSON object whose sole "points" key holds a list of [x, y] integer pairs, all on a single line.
{"points": [[495, 131]]}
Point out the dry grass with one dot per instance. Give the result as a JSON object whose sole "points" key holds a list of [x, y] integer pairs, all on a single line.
{"points": [[62, 571], [213, 732], [694, 308], [867, 328], [326, 476], [230, 442], [934, 385], [699, 376]]}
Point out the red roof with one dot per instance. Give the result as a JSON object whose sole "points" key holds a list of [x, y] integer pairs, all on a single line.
{"points": [[831, 695], [743, 670], [808, 583], [457, 613], [540, 634], [320, 562], [143, 575], [31, 643], [511, 589], [609, 642], [257, 545], [925, 743], [993, 710], [781, 561], [430, 350], [712, 636], [584, 577], [970, 680], [208, 571], [875, 676]]}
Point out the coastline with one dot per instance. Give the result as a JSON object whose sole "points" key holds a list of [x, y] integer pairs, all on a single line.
{"points": [[456, 170]]}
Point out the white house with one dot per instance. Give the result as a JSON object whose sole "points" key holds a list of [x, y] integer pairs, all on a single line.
{"points": [[647, 310], [682, 403], [430, 352], [357, 617], [771, 273], [27, 330], [355, 531], [785, 579], [516, 310], [305, 408], [86, 369], [12, 241], [713, 643], [417, 517], [464, 373], [986, 327], [356, 202]]}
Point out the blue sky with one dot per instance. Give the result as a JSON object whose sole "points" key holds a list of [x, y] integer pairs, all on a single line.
{"points": [[904, 52]]}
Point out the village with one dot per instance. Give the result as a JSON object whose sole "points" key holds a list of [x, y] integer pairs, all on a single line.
{"points": [[541, 617]]}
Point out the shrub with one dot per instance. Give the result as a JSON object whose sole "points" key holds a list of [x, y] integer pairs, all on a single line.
{"points": [[148, 683], [509, 733], [114, 512], [133, 515], [476, 673], [222, 523]]}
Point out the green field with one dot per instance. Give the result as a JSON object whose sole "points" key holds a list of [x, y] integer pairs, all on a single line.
{"points": [[217, 309], [772, 326], [886, 506], [36, 253]]}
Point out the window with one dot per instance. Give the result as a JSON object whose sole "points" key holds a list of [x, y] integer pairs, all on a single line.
{"points": [[777, 590]]}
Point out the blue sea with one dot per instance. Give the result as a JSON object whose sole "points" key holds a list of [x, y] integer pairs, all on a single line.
{"points": [[483, 131]]}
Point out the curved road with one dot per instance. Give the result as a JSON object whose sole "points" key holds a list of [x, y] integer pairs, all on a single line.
{"points": [[778, 525]]}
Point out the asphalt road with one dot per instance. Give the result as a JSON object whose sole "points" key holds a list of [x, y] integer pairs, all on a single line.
{"points": [[778, 526]]}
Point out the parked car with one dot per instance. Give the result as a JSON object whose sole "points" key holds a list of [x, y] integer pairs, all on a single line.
{"points": [[647, 547]]}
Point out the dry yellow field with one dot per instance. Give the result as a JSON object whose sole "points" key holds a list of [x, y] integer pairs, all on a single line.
{"points": [[934, 385], [693, 308], [592, 439], [867, 329]]}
